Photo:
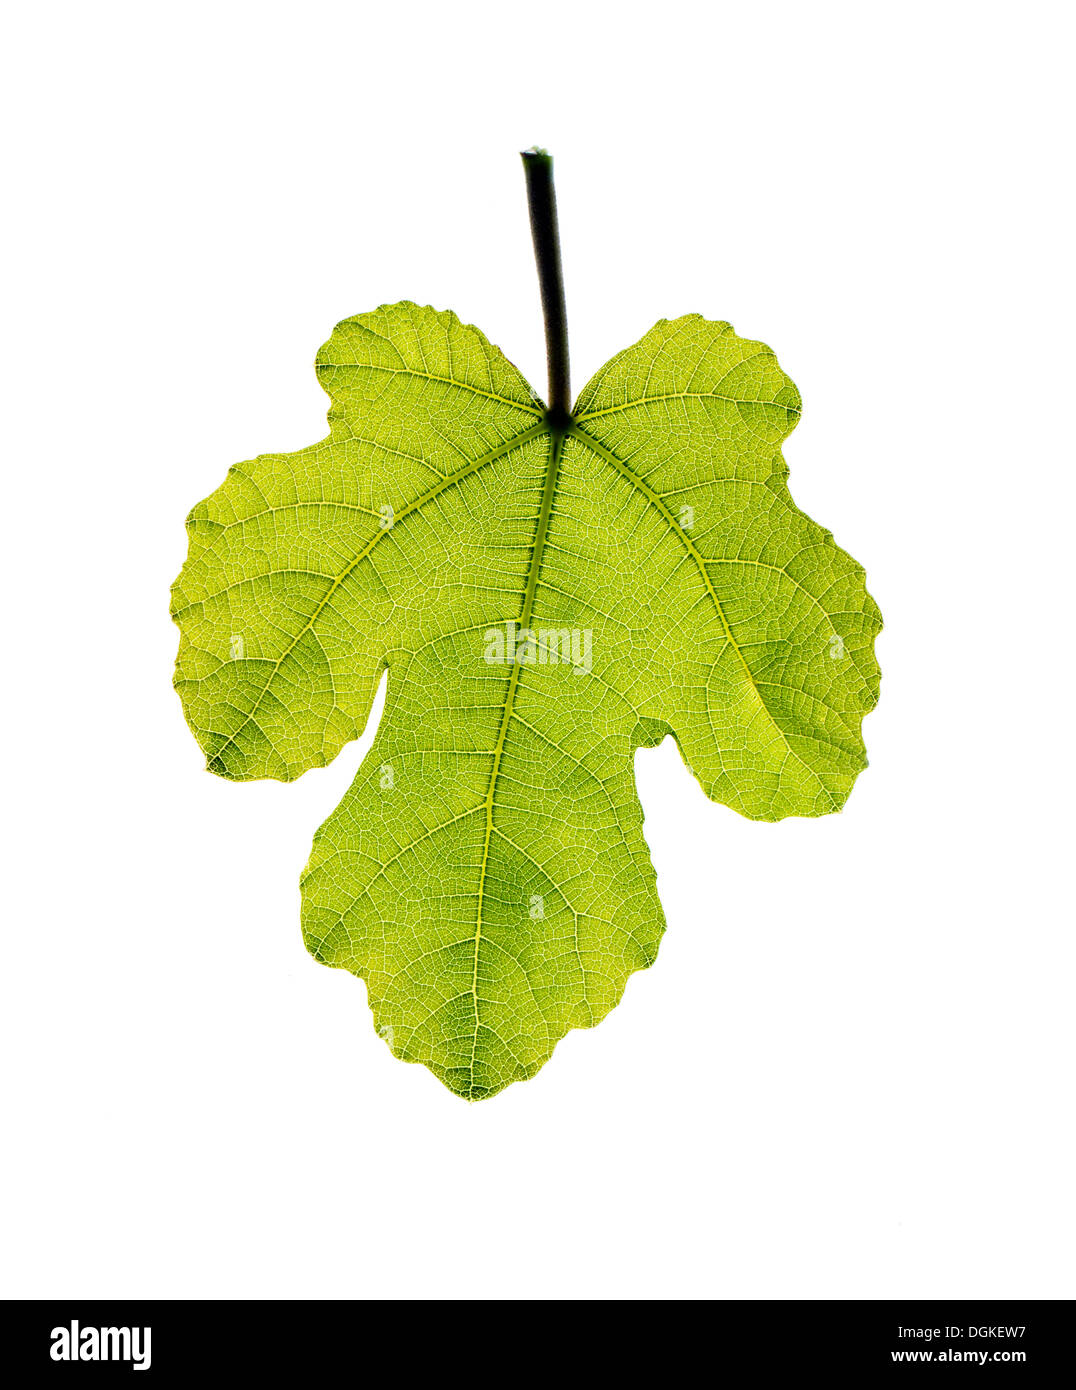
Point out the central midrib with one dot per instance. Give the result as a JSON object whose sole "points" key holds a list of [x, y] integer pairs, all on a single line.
{"points": [[556, 449], [557, 441]]}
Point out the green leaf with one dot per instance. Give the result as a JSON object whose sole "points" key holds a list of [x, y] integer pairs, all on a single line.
{"points": [[486, 873]]}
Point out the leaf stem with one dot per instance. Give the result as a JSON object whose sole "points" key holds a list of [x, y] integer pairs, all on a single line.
{"points": [[542, 201]]}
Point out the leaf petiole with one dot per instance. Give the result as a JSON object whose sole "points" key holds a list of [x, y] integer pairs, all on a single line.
{"points": [[542, 202]]}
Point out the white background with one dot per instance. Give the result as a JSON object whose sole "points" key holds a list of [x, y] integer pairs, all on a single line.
{"points": [[849, 1073]]}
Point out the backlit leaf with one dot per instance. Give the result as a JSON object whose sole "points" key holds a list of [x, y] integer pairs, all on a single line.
{"points": [[545, 601]]}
